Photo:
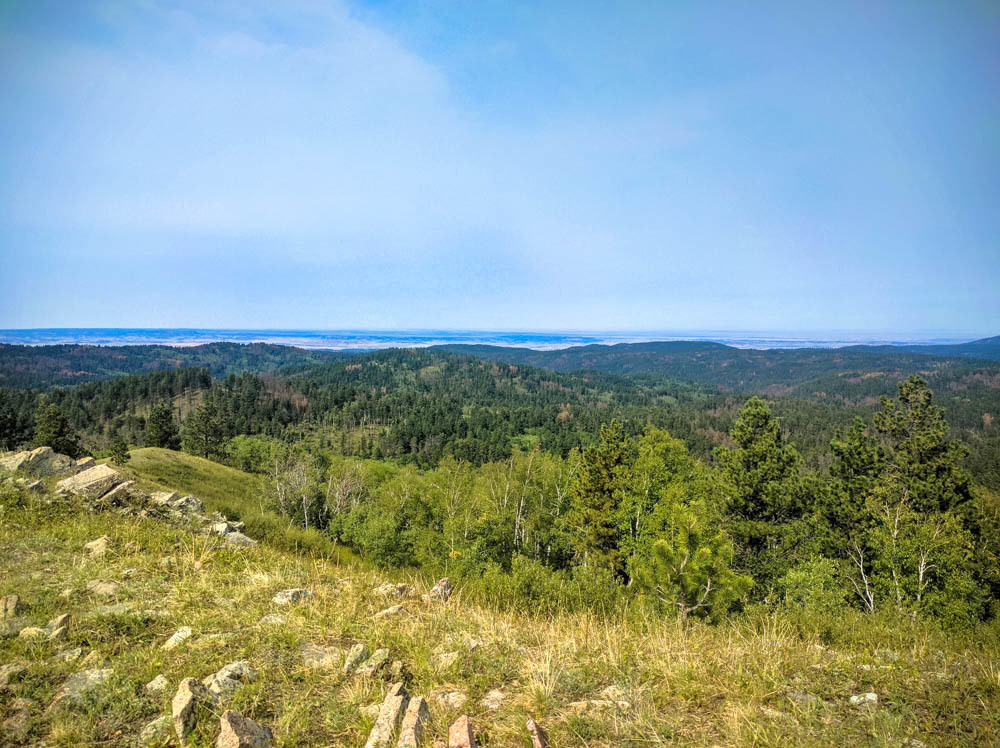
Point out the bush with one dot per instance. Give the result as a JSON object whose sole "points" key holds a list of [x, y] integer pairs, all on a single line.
{"points": [[814, 587]]}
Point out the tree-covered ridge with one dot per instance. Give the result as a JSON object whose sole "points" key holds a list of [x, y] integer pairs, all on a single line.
{"points": [[42, 367]]}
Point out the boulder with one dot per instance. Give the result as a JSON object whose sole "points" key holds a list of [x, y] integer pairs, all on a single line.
{"points": [[188, 504], [178, 637], [239, 539], [40, 462], [157, 686], [224, 683], [156, 733], [292, 596], [441, 591], [411, 732], [375, 664], [314, 655], [97, 547], [163, 498], [388, 719], [93, 483], [357, 654], [85, 463], [537, 734], [460, 733], [80, 684], [189, 694], [237, 731], [122, 492], [10, 607]]}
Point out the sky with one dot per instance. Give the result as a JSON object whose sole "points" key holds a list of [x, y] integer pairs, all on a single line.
{"points": [[506, 165]]}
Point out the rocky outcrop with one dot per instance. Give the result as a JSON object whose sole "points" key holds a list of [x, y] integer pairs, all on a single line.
{"points": [[92, 483], [389, 717], [178, 637], [80, 684], [460, 733], [417, 716], [441, 591], [375, 664], [40, 462], [292, 596], [237, 731]]}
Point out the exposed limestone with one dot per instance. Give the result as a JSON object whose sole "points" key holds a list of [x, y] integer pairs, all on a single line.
{"points": [[237, 731], [417, 716], [375, 664], [357, 654], [178, 637], [156, 732], [460, 733], [40, 462], [10, 607], [402, 590], [450, 699], [238, 538], [538, 737], [85, 463], [189, 694], [292, 596], [493, 699], [80, 684], [865, 699], [163, 498], [158, 685], [315, 655], [122, 492], [388, 719], [93, 483], [97, 547], [395, 610]]}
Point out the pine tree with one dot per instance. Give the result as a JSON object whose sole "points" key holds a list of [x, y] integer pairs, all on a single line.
{"points": [[119, 451], [161, 429], [52, 429]]}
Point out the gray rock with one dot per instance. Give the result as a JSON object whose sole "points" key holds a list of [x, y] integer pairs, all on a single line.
{"points": [[59, 633], [92, 483], [10, 673], [156, 732], [10, 607], [494, 699], [395, 610], [80, 684], [70, 655], [190, 693], [237, 731], [40, 462], [357, 654], [163, 498], [314, 655], [375, 664], [442, 590], [223, 684], [389, 717], [450, 699], [417, 716], [97, 547], [122, 492], [85, 463], [58, 622], [865, 699], [187, 504], [292, 596], [239, 539], [100, 587], [396, 590], [158, 685], [178, 637], [35, 486]]}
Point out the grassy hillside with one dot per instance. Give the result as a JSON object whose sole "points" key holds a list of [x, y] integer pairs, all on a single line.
{"points": [[44, 366], [623, 680]]}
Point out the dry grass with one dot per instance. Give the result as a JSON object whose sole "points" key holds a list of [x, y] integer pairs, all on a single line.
{"points": [[755, 680]]}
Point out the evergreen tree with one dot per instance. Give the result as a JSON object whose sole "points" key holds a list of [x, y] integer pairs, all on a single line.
{"points": [[161, 429], [52, 429], [767, 495], [119, 451], [203, 434]]}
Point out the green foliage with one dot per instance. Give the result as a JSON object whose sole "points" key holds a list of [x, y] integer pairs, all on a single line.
{"points": [[52, 429], [119, 451], [814, 587], [161, 428]]}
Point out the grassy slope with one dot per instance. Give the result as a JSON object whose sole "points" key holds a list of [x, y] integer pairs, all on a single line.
{"points": [[725, 685]]}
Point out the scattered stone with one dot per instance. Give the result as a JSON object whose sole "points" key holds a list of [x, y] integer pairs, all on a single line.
{"points": [[120, 493], [272, 619], [315, 655], [224, 527], [494, 699], [447, 659], [374, 664], [865, 699], [85, 463], [59, 633], [292, 596], [357, 654], [450, 699], [238, 731], [189, 694], [107, 589], [441, 590], [411, 732], [70, 655], [156, 732], [395, 610], [188, 504], [388, 718], [80, 684], [538, 736], [178, 637], [224, 683], [93, 482], [158, 685], [238, 538], [163, 498], [32, 632], [58, 622], [10, 606], [10, 672], [460, 733], [398, 671], [390, 589], [15, 726]]}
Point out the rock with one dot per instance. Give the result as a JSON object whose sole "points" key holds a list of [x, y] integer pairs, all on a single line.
{"points": [[460, 733], [357, 654], [187, 504], [10, 606], [15, 726], [398, 671], [120, 493], [450, 699], [865, 699], [80, 684], [588, 704], [178, 637], [10, 672], [538, 737], [59, 633], [493, 699], [158, 685], [292, 596], [447, 659], [35, 486], [403, 591], [411, 732], [163, 498], [238, 538], [375, 664], [40, 462], [395, 610], [224, 527], [32, 632], [801, 697], [224, 683], [388, 718], [314, 655], [237, 731], [272, 619], [99, 587], [58, 622], [70, 655], [93, 483], [97, 547], [85, 463], [189, 694], [156, 732], [441, 590]]}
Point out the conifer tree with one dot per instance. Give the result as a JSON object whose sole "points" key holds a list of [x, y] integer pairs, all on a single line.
{"points": [[52, 429]]}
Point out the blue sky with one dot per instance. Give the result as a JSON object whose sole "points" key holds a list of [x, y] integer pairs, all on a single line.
{"points": [[501, 165]]}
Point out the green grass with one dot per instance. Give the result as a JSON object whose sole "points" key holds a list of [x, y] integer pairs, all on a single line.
{"points": [[731, 684]]}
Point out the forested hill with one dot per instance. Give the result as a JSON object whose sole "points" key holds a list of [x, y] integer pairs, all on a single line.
{"points": [[40, 367], [750, 370]]}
